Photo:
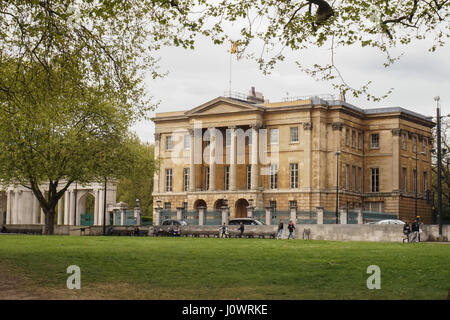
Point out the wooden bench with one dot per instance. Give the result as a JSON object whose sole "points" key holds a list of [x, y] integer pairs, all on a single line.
{"points": [[128, 232]]}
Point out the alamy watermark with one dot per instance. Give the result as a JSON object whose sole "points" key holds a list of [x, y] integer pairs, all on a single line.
{"points": [[374, 281], [74, 280]]}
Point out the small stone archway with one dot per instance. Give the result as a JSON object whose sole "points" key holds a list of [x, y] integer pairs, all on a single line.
{"points": [[241, 208], [199, 203], [219, 204], [86, 207]]}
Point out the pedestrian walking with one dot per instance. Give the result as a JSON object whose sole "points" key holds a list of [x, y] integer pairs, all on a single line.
{"points": [[415, 232], [223, 231], [280, 230], [406, 231], [291, 228], [241, 229]]}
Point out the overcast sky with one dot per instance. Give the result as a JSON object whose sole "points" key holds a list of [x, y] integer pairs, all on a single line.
{"points": [[197, 76]]}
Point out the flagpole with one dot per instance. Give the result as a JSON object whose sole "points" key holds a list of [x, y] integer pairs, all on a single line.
{"points": [[230, 72]]}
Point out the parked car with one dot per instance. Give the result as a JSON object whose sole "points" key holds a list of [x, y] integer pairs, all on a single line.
{"points": [[387, 221], [390, 221], [245, 221], [174, 223], [169, 227]]}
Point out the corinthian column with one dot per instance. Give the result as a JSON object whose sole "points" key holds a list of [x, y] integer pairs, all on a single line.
{"points": [[254, 159], [192, 161], [212, 159], [233, 167]]}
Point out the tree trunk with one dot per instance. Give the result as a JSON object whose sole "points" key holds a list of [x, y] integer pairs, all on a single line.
{"points": [[49, 227]]}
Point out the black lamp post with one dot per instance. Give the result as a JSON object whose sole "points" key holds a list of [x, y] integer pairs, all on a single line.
{"points": [[415, 181], [104, 211], [338, 153], [439, 160]]}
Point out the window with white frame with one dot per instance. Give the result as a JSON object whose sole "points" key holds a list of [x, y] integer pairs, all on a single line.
{"points": [[404, 179], [169, 143], [375, 140], [274, 176], [207, 178], [347, 137], [187, 141], [169, 180], [226, 176], [294, 175], [294, 134], [249, 177], [186, 179], [375, 179], [274, 136], [353, 139]]}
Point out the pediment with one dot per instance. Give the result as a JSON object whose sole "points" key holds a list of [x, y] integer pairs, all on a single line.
{"points": [[222, 106]]}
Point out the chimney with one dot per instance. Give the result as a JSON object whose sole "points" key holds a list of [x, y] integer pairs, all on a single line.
{"points": [[255, 96]]}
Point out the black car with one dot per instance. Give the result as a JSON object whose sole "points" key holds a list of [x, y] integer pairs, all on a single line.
{"points": [[245, 221]]}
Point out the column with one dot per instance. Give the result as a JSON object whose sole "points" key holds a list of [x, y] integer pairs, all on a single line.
{"points": [[250, 210], [201, 216], [212, 159], [360, 216], [16, 207], [307, 129], [72, 208], [137, 215], [8, 207], [319, 215], [122, 217], [66, 207], [35, 210], [396, 133], [100, 207], [156, 216], [268, 215], [77, 211], [60, 212], [192, 162], [225, 215], [180, 213], [156, 175], [96, 207], [254, 174], [294, 215], [233, 166], [343, 218]]}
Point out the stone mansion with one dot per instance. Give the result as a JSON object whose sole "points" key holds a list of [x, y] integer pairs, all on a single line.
{"points": [[293, 153]]}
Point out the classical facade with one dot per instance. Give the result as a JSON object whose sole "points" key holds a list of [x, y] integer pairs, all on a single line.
{"points": [[19, 206], [292, 153]]}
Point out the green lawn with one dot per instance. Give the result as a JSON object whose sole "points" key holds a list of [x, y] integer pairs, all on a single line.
{"points": [[199, 268]]}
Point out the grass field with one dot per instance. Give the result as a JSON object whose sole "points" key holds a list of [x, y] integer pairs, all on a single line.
{"points": [[34, 267]]}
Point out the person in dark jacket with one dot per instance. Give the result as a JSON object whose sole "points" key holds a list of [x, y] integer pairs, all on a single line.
{"points": [[291, 228], [406, 231], [415, 232], [280, 230], [241, 229]]}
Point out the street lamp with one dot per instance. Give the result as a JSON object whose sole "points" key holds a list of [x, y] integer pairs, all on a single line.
{"points": [[338, 153], [439, 186], [416, 179]]}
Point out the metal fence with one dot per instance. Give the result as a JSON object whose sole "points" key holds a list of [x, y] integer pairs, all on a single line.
{"points": [[260, 215], [167, 215], [191, 217], [278, 215], [369, 216], [213, 218], [352, 217], [329, 217], [87, 219], [306, 217]]}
